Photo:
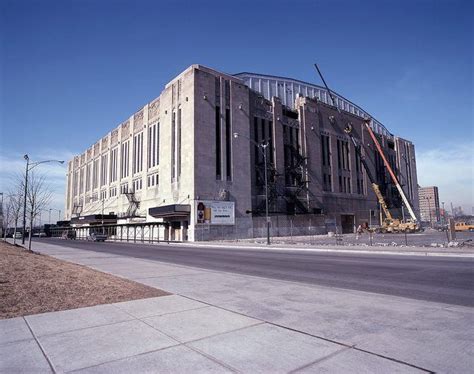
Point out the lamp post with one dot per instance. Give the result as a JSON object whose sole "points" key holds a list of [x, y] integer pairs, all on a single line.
{"points": [[59, 214], [263, 148], [30, 166]]}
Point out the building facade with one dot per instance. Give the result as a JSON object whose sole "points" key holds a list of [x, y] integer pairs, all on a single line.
{"points": [[192, 160], [429, 204]]}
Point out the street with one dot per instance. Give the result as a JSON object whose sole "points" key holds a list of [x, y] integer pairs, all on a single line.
{"points": [[439, 279]]}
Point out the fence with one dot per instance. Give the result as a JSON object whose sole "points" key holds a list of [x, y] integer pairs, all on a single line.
{"points": [[146, 232]]}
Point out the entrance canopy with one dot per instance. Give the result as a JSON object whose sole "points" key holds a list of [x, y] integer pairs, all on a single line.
{"points": [[94, 219], [171, 211]]}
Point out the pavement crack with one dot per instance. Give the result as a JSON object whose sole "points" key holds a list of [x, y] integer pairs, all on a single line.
{"points": [[320, 360]]}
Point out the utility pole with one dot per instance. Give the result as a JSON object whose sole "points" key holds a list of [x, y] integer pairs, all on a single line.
{"points": [[263, 148], [103, 230]]}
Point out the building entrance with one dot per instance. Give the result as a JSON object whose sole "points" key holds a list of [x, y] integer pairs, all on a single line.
{"points": [[347, 223]]}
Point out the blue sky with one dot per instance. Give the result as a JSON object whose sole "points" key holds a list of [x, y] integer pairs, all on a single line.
{"points": [[73, 70]]}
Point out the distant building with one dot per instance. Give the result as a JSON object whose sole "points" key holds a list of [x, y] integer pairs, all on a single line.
{"points": [[429, 204], [177, 166]]}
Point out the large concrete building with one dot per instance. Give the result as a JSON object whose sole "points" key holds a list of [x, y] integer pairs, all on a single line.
{"points": [[189, 162], [429, 204]]}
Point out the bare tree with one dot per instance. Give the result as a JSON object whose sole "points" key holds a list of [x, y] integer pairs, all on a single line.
{"points": [[14, 205], [38, 196]]}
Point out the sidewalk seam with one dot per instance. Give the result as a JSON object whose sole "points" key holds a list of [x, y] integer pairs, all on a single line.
{"points": [[180, 343], [40, 347], [347, 346], [82, 328], [331, 355]]}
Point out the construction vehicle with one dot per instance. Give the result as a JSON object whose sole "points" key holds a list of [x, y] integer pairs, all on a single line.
{"points": [[388, 224]]}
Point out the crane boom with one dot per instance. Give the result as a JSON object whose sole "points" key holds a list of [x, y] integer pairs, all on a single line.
{"points": [[375, 186], [389, 168], [395, 224]]}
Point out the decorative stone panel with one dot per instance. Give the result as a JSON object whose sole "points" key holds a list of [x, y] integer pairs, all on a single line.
{"points": [[114, 137], [153, 109], [138, 121], [96, 149], [125, 129], [104, 143]]}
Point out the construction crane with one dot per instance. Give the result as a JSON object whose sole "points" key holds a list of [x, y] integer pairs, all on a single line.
{"points": [[389, 224], [375, 186]]}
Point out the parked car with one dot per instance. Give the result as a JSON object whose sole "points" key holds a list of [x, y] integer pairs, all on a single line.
{"points": [[96, 237], [17, 235], [39, 234]]}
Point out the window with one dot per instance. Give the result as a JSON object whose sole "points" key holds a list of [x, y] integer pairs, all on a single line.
{"points": [[153, 145], [137, 184], [138, 153], [173, 147], [124, 188], [103, 194], [103, 170], [228, 138], [124, 160], [360, 186], [178, 145], [327, 183], [343, 155], [113, 192], [88, 176], [81, 181], [74, 183], [325, 150], [218, 142], [152, 180], [113, 165], [95, 174]]}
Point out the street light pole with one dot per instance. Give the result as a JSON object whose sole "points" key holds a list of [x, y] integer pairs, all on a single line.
{"points": [[263, 148], [28, 168], [24, 198]]}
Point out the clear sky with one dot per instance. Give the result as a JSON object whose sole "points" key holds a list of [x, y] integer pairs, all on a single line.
{"points": [[73, 70]]}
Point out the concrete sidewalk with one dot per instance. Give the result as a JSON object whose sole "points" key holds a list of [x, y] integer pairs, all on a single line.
{"points": [[219, 322]]}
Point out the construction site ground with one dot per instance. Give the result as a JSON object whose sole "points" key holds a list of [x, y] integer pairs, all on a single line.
{"points": [[429, 241]]}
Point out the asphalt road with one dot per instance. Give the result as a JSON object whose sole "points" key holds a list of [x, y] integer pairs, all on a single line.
{"points": [[440, 279]]}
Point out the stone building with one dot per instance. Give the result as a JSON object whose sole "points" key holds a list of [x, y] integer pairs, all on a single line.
{"points": [[190, 163], [429, 204]]}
